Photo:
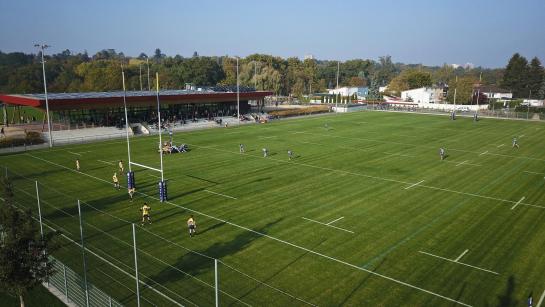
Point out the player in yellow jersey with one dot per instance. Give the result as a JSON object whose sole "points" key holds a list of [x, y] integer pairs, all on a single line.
{"points": [[192, 225], [145, 214], [116, 181], [121, 168]]}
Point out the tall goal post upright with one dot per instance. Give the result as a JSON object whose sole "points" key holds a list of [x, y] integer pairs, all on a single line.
{"points": [[130, 175], [162, 183]]}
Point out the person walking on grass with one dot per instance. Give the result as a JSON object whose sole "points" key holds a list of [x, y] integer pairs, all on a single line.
{"points": [[290, 154], [116, 181], [515, 142], [146, 214], [241, 148], [77, 165], [265, 152], [192, 226], [131, 193], [442, 153]]}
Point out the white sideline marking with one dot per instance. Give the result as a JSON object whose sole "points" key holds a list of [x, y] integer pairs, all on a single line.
{"points": [[413, 185], [220, 194], [467, 163], [460, 257], [110, 163], [74, 153], [521, 135], [468, 265], [500, 145], [339, 228], [541, 299], [483, 153], [534, 173], [518, 202], [342, 217], [463, 162], [267, 137], [396, 154], [275, 238]]}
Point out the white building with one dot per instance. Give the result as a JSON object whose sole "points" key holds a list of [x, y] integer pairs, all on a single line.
{"points": [[423, 95], [493, 92], [361, 92]]}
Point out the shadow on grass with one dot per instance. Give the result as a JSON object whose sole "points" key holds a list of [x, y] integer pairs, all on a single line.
{"points": [[195, 264], [507, 298], [362, 283]]}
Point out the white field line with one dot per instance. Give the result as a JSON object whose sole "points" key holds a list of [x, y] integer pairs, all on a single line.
{"points": [[541, 299], [339, 228], [414, 184], [483, 153], [342, 217], [522, 135], [373, 177], [460, 257], [106, 162], [275, 238], [211, 192], [500, 145], [74, 153], [463, 162], [268, 137], [467, 163], [518, 202], [422, 146], [534, 173], [401, 155], [468, 265]]}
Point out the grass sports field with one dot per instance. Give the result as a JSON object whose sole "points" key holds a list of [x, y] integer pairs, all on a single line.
{"points": [[366, 214]]}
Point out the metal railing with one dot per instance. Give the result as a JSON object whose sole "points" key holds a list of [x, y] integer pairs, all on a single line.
{"points": [[72, 286]]}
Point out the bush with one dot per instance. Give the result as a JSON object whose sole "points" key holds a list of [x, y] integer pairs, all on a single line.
{"points": [[31, 138], [300, 111]]}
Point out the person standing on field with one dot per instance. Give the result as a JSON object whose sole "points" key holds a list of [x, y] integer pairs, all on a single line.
{"points": [[77, 165], [192, 226]]}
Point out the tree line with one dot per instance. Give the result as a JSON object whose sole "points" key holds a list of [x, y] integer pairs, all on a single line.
{"points": [[80, 72]]}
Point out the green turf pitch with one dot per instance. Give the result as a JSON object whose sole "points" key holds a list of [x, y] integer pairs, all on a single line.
{"points": [[366, 214]]}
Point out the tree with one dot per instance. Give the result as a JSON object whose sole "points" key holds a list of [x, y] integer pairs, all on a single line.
{"points": [[464, 90], [410, 79], [195, 54], [357, 81], [541, 92], [158, 56], [24, 261], [515, 77], [535, 76]]}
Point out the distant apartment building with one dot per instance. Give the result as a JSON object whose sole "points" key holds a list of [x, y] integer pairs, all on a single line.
{"points": [[361, 92], [423, 95]]}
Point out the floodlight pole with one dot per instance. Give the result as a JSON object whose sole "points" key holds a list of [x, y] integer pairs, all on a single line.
{"points": [[238, 96], [160, 128], [336, 100], [147, 63], [42, 47], [140, 66], [126, 116], [216, 282]]}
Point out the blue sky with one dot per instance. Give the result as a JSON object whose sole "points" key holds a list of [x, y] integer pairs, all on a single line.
{"points": [[431, 32]]}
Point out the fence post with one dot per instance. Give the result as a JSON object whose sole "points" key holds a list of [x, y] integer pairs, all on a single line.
{"points": [[39, 210], [216, 281], [136, 266], [83, 255], [65, 283]]}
